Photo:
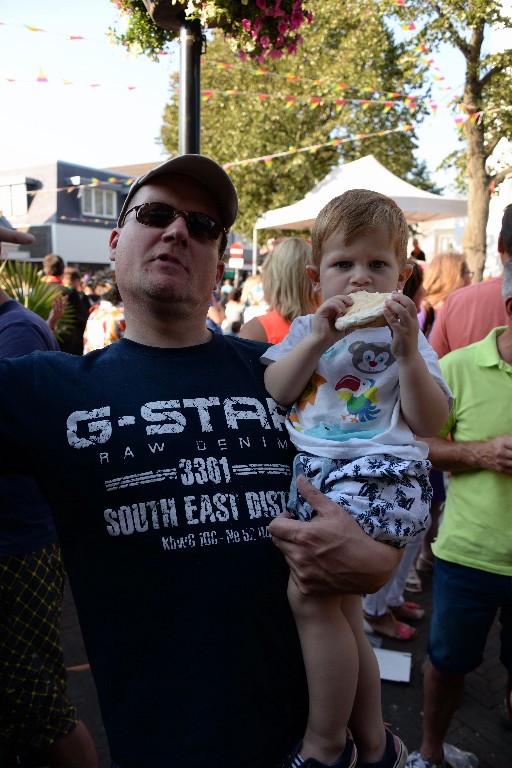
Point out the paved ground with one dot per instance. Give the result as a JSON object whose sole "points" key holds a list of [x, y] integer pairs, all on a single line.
{"points": [[477, 726]]}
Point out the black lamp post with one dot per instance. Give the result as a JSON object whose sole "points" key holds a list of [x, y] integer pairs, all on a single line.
{"points": [[189, 106], [171, 16]]}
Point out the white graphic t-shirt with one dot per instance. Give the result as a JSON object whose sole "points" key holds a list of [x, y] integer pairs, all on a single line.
{"points": [[351, 405]]}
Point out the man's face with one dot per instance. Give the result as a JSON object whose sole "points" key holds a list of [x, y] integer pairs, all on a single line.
{"points": [[167, 266]]}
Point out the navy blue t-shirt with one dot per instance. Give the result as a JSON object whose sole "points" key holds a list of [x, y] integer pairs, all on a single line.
{"points": [[171, 464]]}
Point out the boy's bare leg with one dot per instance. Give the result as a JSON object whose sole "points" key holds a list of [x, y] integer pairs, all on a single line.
{"points": [[366, 721], [330, 658]]}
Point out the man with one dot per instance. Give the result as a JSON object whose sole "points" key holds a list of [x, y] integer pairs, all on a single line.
{"points": [[72, 340], [180, 593], [469, 313], [36, 717], [416, 252], [473, 567]]}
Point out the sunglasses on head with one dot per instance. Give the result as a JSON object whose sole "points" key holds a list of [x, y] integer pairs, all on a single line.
{"points": [[160, 215]]}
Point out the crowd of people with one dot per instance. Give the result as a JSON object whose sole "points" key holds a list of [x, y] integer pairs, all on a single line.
{"points": [[257, 478]]}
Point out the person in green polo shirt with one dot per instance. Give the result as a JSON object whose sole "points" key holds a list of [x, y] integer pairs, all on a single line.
{"points": [[473, 550]]}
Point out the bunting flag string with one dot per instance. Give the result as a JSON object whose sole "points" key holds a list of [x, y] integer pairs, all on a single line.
{"points": [[289, 100], [267, 159], [390, 101], [256, 71]]}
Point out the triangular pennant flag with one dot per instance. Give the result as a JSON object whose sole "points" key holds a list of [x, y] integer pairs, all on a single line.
{"points": [[289, 101], [315, 101], [33, 29], [262, 96], [41, 78]]}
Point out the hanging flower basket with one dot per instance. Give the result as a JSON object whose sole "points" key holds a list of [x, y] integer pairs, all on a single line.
{"points": [[256, 29], [165, 13]]}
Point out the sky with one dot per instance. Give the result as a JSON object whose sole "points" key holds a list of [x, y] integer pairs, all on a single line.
{"points": [[110, 113]]}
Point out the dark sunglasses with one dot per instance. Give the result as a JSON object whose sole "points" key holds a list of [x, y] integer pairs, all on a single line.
{"points": [[160, 215]]}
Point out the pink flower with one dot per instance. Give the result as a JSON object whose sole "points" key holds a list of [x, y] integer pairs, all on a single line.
{"points": [[246, 24], [292, 48], [261, 4], [275, 54], [278, 11], [264, 41], [282, 27], [242, 56], [257, 25]]}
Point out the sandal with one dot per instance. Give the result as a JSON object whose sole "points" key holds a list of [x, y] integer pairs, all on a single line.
{"points": [[408, 610], [387, 626], [413, 582]]}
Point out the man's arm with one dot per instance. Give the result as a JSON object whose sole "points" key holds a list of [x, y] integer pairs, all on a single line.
{"points": [[331, 553], [456, 456]]}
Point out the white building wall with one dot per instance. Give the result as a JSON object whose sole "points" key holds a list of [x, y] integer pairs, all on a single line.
{"points": [[82, 245]]}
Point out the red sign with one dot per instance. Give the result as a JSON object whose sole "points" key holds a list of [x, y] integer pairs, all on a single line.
{"points": [[236, 250]]}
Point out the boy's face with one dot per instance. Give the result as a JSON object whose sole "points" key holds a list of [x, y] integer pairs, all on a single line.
{"points": [[367, 263]]}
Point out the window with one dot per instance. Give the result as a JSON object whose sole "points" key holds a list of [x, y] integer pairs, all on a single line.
{"points": [[13, 200], [99, 202]]}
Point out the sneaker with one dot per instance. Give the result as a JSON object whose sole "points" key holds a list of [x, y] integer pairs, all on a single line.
{"points": [[457, 758], [417, 760], [395, 748], [348, 758], [454, 758]]}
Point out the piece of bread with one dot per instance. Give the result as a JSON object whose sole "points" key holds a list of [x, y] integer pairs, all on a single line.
{"points": [[366, 310]]}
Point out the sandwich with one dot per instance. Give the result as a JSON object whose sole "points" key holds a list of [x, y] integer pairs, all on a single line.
{"points": [[366, 310]]}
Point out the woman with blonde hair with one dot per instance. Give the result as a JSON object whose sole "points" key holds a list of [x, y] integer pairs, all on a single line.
{"points": [[286, 288], [443, 275]]}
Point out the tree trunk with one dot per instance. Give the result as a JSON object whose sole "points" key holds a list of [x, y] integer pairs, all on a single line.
{"points": [[474, 241]]}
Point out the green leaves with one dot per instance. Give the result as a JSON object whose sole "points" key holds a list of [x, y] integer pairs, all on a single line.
{"points": [[22, 281]]}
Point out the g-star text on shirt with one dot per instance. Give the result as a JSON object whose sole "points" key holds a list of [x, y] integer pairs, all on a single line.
{"points": [[168, 417]]}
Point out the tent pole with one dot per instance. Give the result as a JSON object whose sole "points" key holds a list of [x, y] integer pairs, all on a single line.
{"points": [[254, 251]]}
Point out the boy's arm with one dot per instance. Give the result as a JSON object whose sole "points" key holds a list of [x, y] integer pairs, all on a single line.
{"points": [[423, 402], [286, 379]]}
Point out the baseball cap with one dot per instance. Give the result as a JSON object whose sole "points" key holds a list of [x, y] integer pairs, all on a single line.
{"points": [[204, 170]]}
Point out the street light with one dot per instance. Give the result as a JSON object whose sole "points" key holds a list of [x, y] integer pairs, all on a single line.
{"points": [[170, 15]]}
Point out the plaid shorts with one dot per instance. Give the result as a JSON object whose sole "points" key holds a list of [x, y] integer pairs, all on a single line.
{"points": [[34, 708]]}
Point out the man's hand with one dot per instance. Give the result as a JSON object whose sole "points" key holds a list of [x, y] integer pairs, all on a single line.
{"points": [[331, 553], [494, 455], [13, 236]]}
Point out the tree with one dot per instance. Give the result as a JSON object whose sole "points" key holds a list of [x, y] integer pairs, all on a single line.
{"points": [[484, 101], [348, 77]]}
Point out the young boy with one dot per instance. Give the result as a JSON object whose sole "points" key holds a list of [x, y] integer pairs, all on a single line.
{"points": [[356, 401]]}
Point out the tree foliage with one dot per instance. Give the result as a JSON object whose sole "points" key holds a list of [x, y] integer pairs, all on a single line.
{"points": [[348, 53], [484, 101]]}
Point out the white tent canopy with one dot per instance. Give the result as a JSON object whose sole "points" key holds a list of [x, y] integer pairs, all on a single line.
{"points": [[365, 173]]}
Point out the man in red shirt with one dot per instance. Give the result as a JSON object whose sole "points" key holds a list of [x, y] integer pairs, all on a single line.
{"points": [[470, 313]]}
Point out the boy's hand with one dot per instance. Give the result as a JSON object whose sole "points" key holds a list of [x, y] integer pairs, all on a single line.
{"points": [[323, 323], [402, 317]]}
